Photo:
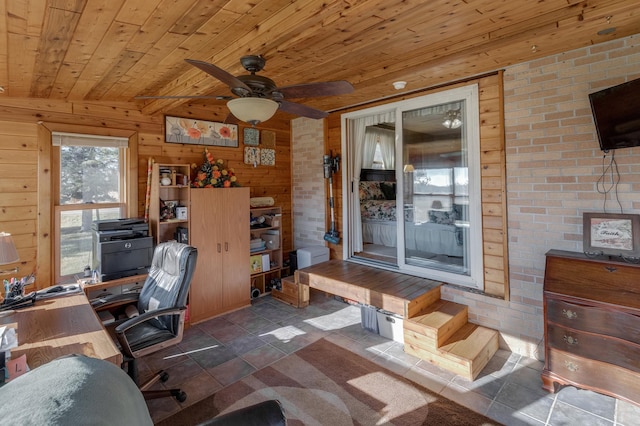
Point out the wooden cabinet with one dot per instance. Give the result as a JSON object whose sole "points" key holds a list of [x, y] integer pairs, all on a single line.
{"points": [[169, 189], [266, 230], [592, 324], [218, 229]]}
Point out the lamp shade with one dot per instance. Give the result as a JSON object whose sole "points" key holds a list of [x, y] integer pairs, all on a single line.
{"points": [[437, 204], [8, 252], [252, 110], [408, 168]]}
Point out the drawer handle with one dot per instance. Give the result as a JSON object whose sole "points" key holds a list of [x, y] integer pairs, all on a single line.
{"points": [[569, 314], [571, 340], [571, 366]]}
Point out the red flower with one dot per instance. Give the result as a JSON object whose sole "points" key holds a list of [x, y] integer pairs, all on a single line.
{"points": [[225, 132], [194, 133], [227, 184]]}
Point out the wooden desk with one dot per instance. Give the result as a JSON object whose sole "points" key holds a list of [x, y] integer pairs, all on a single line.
{"points": [[60, 326]]}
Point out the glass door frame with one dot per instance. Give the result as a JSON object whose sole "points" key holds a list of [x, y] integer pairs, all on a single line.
{"points": [[471, 125]]}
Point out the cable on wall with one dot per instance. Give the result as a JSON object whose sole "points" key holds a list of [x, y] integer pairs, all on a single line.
{"points": [[605, 187]]}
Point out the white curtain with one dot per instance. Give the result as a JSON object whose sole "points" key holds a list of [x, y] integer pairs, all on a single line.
{"points": [[369, 148], [386, 139], [388, 148], [358, 127]]}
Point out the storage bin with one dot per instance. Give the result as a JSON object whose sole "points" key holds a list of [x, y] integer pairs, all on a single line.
{"points": [[390, 325], [312, 255]]}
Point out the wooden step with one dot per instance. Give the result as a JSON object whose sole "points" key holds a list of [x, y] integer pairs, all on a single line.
{"points": [[438, 322], [465, 353]]}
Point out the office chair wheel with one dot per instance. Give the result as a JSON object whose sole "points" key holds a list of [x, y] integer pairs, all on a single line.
{"points": [[181, 396], [164, 376]]}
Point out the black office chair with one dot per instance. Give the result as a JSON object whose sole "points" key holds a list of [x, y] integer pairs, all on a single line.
{"points": [[162, 305]]}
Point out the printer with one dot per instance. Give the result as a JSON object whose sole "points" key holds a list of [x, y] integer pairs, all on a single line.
{"points": [[121, 248]]}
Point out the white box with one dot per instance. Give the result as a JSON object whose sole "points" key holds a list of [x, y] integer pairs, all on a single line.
{"points": [[312, 255], [390, 326], [181, 213], [266, 263]]}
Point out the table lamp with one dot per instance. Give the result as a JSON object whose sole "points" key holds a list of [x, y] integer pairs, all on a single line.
{"points": [[8, 253]]}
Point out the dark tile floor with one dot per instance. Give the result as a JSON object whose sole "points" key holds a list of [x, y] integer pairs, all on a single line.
{"points": [[222, 350]]}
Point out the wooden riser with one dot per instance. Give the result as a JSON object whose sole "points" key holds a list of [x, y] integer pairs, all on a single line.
{"points": [[439, 321], [466, 353]]}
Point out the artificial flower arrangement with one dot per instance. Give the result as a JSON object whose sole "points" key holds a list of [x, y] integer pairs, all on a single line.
{"points": [[213, 174]]}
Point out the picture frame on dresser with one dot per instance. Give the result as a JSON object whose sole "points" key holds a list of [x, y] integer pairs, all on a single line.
{"points": [[611, 234]]}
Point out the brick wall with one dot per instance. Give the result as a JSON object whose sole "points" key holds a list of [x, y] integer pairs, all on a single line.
{"points": [[553, 166], [308, 185]]}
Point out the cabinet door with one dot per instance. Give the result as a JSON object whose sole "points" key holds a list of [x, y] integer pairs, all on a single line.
{"points": [[205, 233], [235, 250]]}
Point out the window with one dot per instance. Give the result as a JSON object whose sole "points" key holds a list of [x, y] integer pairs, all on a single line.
{"points": [[91, 178], [433, 228]]}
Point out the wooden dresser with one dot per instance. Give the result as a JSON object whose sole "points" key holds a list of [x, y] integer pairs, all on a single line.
{"points": [[592, 325]]}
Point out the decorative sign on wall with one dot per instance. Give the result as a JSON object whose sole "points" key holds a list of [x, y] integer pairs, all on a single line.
{"points": [[268, 139], [251, 136], [200, 132], [268, 157], [251, 155]]}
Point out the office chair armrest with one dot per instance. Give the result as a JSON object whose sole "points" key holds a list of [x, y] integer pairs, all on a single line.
{"points": [[146, 316], [113, 301]]}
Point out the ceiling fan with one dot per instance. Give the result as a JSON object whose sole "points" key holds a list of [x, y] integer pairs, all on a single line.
{"points": [[258, 97]]}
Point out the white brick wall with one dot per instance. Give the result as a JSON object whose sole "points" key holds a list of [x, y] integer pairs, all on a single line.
{"points": [[308, 192], [553, 165]]}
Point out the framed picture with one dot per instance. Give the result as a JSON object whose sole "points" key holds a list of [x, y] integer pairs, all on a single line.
{"points": [[611, 234], [251, 136], [200, 132]]}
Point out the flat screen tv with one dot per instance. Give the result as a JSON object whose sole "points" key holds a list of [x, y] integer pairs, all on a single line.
{"points": [[616, 112]]}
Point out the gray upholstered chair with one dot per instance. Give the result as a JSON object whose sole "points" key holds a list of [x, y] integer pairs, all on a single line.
{"points": [[161, 305], [88, 391]]}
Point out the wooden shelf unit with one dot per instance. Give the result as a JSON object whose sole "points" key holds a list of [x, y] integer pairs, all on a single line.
{"points": [[262, 279], [165, 229]]}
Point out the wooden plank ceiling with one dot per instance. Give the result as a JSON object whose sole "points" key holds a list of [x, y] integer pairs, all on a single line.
{"points": [[115, 50]]}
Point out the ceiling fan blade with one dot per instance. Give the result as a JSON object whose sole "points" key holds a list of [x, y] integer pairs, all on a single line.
{"points": [[220, 98], [220, 74], [231, 119], [301, 110], [309, 90]]}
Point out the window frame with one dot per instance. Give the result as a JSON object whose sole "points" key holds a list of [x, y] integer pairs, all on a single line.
{"points": [[48, 253]]}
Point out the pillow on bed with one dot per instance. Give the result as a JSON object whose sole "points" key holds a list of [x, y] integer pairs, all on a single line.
{"points": [[442, 217], [389, 190], [370, 190]]}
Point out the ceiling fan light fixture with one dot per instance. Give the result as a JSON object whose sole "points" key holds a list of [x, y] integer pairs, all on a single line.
{"points": [[452, 119], [252, 110]]}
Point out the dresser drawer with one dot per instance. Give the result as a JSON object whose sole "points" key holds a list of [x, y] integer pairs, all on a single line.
{"points": [[594, 319], [596, 375], [614, 283], [594, 346]]}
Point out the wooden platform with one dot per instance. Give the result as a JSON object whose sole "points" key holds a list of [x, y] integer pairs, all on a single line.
{"points": [[401, 294], [435, 330]]}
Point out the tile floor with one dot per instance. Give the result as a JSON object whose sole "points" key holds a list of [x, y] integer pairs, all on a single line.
{"points": [[222, 350]]}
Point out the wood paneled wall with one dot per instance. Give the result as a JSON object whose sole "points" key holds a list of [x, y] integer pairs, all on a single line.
{"points": [[25, 203], [493, 170]]}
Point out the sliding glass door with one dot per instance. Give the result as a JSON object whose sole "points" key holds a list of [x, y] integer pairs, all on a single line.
{"points": [[413, 167]]}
